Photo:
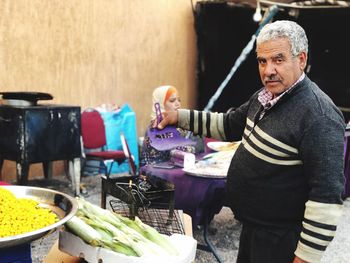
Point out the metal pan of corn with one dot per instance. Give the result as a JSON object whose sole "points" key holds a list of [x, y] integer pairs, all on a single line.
{"points": [[29, 213]]}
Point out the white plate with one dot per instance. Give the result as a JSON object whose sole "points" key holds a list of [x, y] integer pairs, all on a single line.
{"points": [[218, 174], [223, 146], [213, 170]]}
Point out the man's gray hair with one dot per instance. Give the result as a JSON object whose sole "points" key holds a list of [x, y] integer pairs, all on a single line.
{"points": [[285, 29]]}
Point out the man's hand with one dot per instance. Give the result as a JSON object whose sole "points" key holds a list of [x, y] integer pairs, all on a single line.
{"points": [[299, 260], [169, 118]]}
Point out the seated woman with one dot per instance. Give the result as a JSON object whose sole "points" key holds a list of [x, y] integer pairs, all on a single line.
{"points": [[168, 99]]}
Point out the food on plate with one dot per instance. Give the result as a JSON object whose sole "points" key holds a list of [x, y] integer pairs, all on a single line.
{"points": [[212, 165], [228, 146], [213, 170], [22, 215], [223, 146], [101, 227]]}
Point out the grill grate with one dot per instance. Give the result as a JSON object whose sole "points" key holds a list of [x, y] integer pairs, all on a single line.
{"points": [[157, 218]]}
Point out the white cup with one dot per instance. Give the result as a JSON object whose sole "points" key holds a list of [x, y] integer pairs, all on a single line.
{"points": [[189, 160]]}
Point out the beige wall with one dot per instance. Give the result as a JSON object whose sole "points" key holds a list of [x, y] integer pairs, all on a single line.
{"points": [[89, 52]]}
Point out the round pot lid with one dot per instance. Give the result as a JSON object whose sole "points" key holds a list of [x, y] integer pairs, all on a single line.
{"points": [[28, 96]]}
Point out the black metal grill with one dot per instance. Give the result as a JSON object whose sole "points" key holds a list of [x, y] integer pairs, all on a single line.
{"points": [[157, 218], [149, 197]]}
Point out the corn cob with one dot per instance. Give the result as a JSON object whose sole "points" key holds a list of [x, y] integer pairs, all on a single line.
{"points": [[118, 233]]}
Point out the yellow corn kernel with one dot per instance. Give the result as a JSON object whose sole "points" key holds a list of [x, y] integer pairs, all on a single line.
{"points": [[22, 215]]}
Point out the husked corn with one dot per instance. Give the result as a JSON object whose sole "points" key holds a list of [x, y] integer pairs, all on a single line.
{"points": [[21, 215]]}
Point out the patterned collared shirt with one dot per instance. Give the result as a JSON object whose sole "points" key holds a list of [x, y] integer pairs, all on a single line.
{"points": [[266, 99]]}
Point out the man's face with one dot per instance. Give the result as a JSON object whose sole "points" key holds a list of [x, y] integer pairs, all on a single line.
{"points": [[277, 67]]}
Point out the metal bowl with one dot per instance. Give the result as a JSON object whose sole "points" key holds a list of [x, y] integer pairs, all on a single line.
{"points": [[23, 103], [63, 205]]}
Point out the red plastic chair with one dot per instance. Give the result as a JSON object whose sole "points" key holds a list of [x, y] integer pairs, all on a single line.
{"points": [[94, 137]]}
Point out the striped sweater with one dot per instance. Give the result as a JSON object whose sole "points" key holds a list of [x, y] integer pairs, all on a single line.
{"points": [[288, 169]]}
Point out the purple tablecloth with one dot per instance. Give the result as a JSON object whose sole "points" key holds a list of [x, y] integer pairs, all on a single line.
{"points": [[199, 197]]}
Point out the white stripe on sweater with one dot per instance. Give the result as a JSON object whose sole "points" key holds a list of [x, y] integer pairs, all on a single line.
{"points": [[314, 240], [322, 231], [269, 138], [308, 253], [269, 159], [275, 141], [266, 148], [250, 123], [323, 213]]}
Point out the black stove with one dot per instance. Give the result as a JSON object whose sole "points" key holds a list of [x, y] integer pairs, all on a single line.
{"points": [[37, 133]]}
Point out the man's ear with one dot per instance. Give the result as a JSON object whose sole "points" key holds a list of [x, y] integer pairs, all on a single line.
{"points": [[302, 60]]}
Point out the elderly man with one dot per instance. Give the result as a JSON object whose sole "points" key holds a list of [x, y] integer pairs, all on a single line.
{"points": [[285, 181]]}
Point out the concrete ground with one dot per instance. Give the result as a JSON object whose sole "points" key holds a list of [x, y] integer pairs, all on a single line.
{"points": [[223, 231]]}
